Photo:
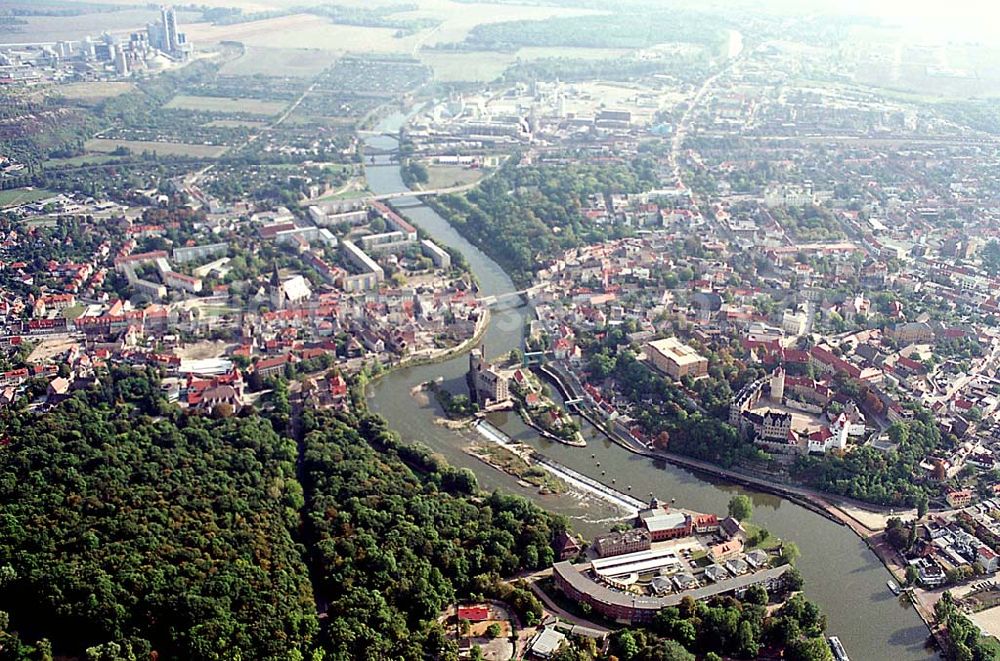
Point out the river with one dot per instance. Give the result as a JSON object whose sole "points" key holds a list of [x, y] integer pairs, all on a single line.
{"points": [[842, 575]]}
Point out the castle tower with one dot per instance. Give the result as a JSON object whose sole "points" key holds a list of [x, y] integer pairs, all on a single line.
{"points": [[841, 438], [778, 384]]}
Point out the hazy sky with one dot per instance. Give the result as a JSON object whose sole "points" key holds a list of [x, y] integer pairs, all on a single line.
{"points": [[958, 20]]}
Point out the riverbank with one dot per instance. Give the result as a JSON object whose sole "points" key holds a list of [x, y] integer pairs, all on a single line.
{"points": [[577, 442], [814, 501], [842, 573], [585, 485], [439, 355]]}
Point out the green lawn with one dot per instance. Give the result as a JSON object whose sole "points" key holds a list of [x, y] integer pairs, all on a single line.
{"points": [[349, 194], [993, 645], [446, 176], [74, 312], [226, 105], [77, 161], [753, 530], [217, 310], [15, 196], [161, 148]]}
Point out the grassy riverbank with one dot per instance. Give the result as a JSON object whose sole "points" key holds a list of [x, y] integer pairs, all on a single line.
{"points": [[510, 463]]}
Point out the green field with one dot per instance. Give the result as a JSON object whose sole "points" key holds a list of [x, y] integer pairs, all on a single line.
{"points": [[296, 62], [15, 196], [94, 91], [468, 66], [78, 161], [446, 176], [768, 544], [224, 105], [347, 194], [107, 146], [74, 312], [302, 118], [217, 310]]}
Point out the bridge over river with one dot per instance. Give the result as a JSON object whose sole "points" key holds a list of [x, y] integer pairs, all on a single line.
{"points": [[513, 299], [841, 572]]}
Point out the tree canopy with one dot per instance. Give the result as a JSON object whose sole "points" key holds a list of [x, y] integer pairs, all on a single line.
{"points": [[741, 507], [174, 534]]}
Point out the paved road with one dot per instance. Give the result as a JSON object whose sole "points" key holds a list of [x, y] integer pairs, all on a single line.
{"points": [[682, 126], [553, 607]]}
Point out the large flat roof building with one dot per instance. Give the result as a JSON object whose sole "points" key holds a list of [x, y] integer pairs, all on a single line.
{"points": [[638, 562], [628, 607], [675, 358]]}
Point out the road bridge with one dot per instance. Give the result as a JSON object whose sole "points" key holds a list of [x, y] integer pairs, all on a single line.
{"points": [[423, 193], [501, 300]]}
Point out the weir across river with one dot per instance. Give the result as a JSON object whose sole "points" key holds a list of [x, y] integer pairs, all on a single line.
{"points": [[841, 573]]}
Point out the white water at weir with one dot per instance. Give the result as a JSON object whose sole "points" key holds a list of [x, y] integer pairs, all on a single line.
{"points": [[581, 483], [842, 574]]}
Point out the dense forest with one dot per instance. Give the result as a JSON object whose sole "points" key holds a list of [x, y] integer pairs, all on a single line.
{"points": [[392, 546], [808, 223], [750, 628], [128, 528], [727, 626], [543, 215]]}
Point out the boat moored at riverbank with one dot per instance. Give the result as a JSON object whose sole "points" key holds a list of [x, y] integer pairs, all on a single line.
{"points": [[837, 648]]}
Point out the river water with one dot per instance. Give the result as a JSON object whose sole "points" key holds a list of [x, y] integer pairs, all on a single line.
{"points": [[842, 575]]}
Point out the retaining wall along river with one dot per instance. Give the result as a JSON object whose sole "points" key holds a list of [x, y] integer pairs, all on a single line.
{"points": [[842, 574]]}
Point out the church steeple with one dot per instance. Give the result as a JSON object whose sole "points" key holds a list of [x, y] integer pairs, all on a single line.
{"points": [[275, 278]]}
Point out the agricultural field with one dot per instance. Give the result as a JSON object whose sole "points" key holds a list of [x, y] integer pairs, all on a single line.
{"points": [[15, 196], [458, 19], [485, 66], [58, 28], [107, 146], [94, 91], [78, 161], [326, 116], [466, 66], [293, 62], [226, 105], [245, 5], [304, 31]]}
